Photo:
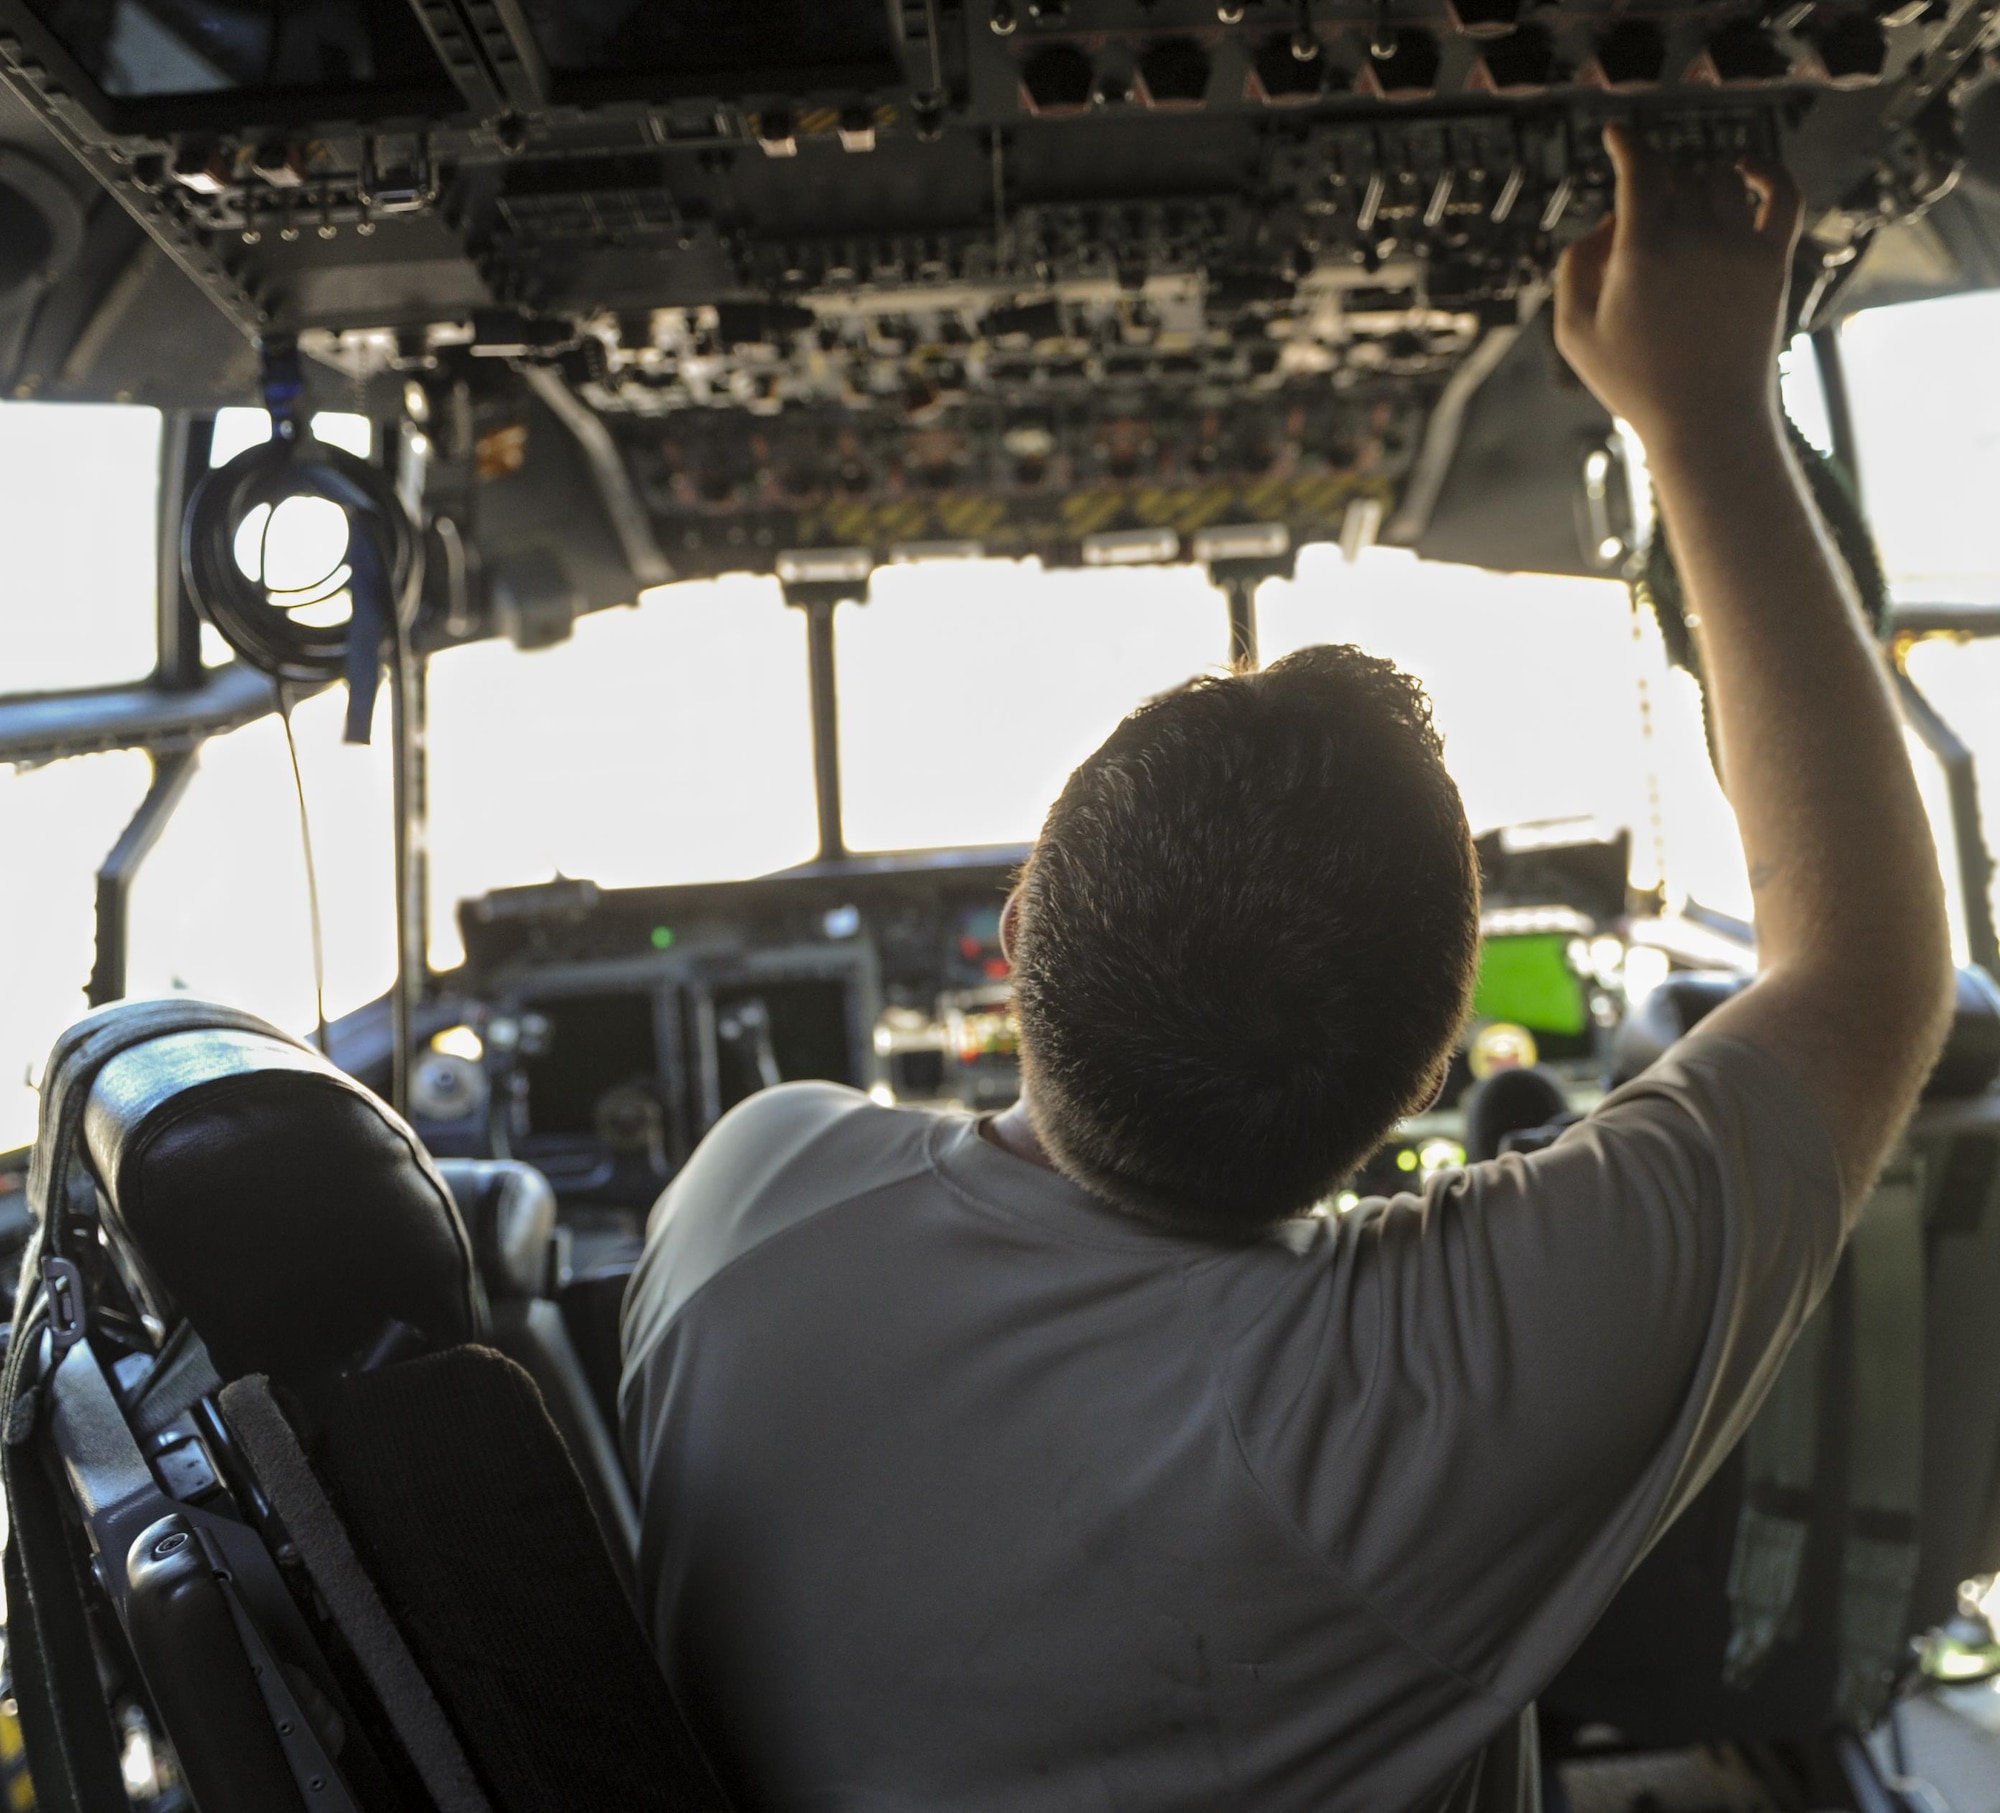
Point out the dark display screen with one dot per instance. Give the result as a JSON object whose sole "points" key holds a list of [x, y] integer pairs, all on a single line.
{"points": [[711, 39], [800, 1030], [153, 49], [588, 1045]]}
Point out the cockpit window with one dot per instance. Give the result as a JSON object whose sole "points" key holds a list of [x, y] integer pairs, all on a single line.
{"points": [[1924, 384], [166, 47], [1924, 379], [668, 743], [219, 908], [1962, 680], [1554, 699], [68, 814], [79, 485], [969, 691]]}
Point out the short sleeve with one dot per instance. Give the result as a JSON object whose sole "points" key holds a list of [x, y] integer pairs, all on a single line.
{"points": [[744, 1184], [1483, 1405]]}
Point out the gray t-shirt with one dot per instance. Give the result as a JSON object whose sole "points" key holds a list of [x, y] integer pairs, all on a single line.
{"points": [[961, 1488]]}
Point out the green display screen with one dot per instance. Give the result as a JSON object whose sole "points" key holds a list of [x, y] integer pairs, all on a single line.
{"points": [[1527, 979]]}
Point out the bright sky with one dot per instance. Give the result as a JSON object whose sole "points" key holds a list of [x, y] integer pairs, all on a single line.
{"points": [[671, 742]]}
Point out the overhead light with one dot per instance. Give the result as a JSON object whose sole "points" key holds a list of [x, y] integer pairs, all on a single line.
{"points": [[820, 566], [1130, 547], [776, 134], [1243, 541]]}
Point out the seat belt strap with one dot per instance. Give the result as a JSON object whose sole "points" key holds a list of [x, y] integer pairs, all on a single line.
{"points": [[1886, 1440], [1781, 1470], [350, 1595]]}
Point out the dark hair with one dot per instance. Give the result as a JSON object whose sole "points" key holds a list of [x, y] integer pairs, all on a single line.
{"points": [[1245, 942]]}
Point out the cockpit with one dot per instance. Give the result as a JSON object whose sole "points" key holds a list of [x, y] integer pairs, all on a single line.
{"points": [[559, 557]]}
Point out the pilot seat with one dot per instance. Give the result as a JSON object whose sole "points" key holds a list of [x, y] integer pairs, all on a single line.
{"points": [[299, 1460]]}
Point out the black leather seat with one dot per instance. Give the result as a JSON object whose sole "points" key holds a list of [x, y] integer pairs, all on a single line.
{"points": [[509, 1210], [202, 1105], [350, 1557]]}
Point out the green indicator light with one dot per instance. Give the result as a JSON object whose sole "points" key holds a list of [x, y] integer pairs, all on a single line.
{"points": [[1406, 1160], [663, 937]]}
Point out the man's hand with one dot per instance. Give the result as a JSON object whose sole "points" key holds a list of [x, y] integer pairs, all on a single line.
{"points": [[1672, 311], [1671, 308]]}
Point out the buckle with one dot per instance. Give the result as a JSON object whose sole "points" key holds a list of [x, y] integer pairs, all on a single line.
{"points": [[64, 1284]]}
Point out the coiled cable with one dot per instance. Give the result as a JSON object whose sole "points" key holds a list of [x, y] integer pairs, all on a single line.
{"points": [[266, 625]]}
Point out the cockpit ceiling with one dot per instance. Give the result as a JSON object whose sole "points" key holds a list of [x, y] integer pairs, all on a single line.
{"points": [[1004, 273]]}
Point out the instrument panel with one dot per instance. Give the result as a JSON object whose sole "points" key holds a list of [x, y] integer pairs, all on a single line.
{"points": [[614, 1027], [605, 1031]]}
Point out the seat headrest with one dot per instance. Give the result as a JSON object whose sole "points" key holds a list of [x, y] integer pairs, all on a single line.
{"points": [[1510, 1101], [1967, 1067], [509, 1210], [1971, 1057], [1669, 1012], [286, 1211]]}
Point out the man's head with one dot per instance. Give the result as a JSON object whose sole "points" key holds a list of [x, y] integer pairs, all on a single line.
{"points": [[1245, 942]]}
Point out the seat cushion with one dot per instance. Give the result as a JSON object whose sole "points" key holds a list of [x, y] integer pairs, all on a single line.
{"points": [[462, 1502]]}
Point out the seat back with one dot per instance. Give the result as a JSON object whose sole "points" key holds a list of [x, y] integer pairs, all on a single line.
{"points": [[1868, 1486], [299, 1249], [501, 1586], [275, 1204]]}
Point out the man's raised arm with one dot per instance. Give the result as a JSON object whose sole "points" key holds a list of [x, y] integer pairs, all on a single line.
{"points": [[1671, 311]]}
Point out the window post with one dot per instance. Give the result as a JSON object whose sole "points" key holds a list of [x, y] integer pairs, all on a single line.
{"points": [[171, 773], [818, 598], [185, 441]]}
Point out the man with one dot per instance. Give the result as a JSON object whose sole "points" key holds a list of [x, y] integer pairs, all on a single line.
{"points": [[1064, 1460]]}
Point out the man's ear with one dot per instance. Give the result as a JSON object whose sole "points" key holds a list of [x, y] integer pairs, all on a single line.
{"points": [[1010, 920]]}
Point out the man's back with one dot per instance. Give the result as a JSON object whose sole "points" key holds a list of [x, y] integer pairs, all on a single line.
{"points": [[963, 1488]]}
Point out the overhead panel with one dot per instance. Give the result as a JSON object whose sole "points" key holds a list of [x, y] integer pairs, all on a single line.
{"points": [[1007, 273]]}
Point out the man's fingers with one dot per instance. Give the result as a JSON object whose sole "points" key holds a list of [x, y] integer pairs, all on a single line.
{"points": [[1732, 205], [1580, 277], [1644, 204], [1779, 205]]}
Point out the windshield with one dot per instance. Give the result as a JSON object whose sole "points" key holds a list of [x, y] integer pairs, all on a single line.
{"points": [[1924, 382], [969, 690], [672, 742], [79, 573]]}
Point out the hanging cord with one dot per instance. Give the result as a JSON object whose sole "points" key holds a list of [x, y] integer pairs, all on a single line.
{"points": [[406, 721], [267, 626], [286, 701], [1657, 584]]}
